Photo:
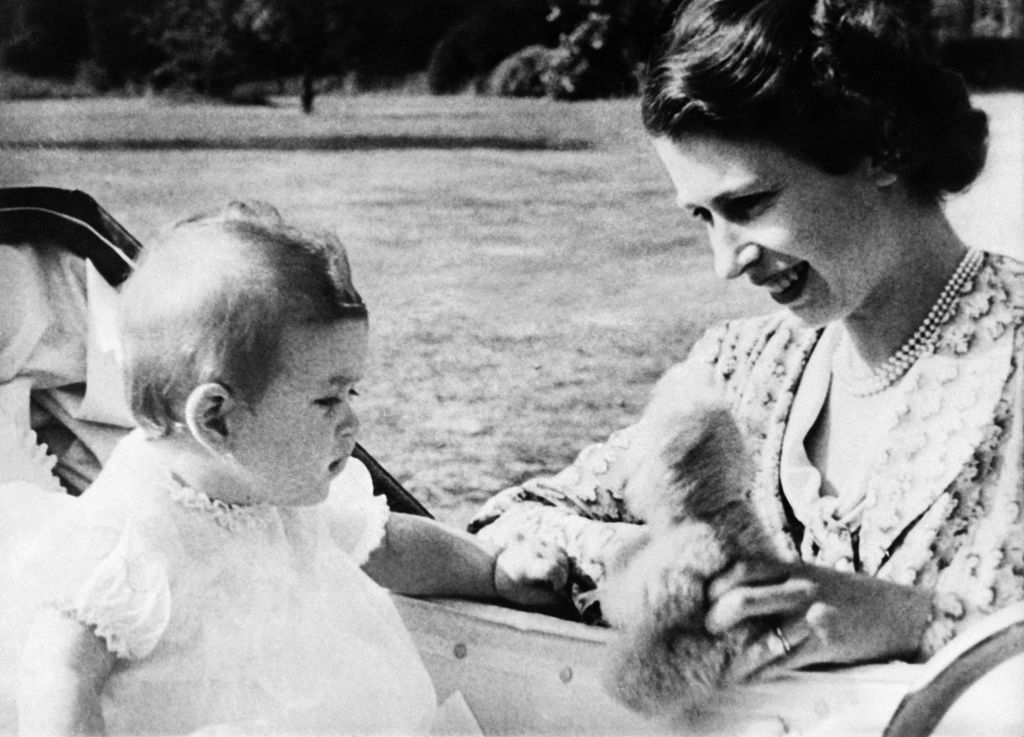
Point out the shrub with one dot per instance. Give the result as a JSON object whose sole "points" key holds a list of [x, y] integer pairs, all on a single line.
{"points": [[522, 74], [602, 46], [588, 64], [15, 86], [492, 31]]}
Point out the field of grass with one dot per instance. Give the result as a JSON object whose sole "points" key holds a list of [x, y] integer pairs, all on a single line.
{"points": [[527, 273]]}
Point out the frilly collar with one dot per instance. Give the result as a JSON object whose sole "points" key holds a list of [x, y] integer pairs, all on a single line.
{"points": [[232, 517]]}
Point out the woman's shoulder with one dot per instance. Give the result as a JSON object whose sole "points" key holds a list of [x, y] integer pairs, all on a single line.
{"points": [[1006, 272], [993, 305], [745, 339]]}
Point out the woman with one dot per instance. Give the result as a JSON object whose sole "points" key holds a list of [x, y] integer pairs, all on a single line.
{"points": [[884, 405]]}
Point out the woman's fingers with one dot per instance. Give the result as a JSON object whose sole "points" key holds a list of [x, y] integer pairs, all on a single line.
{"points": [[784, 648], [791, 598], [748, 573]]}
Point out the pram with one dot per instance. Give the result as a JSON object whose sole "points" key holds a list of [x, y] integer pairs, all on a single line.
{"points": [[526, 673]]}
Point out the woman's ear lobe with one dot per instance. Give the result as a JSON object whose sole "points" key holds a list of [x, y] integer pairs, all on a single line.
{"points": [[880, 171], [206, 411]]}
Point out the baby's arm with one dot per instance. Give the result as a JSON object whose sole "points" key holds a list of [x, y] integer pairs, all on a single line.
{"points": [[422, 557], [64, 668]]}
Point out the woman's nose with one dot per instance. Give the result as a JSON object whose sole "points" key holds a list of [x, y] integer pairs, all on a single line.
{"points": [[732, 256]]}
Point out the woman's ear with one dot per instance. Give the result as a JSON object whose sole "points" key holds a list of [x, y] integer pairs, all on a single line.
{"points": [[206, 412]]}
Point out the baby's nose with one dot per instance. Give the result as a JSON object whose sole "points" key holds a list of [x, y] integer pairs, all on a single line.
{"points": [[349, 425]]}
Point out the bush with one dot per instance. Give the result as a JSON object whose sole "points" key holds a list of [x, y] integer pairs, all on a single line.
{"points": [[522, 74], [494, 29], [14, 86], [602, 46], [588, 63]]}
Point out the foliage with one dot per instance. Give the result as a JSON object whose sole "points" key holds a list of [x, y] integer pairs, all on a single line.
{"points": [[602, 46], [309, 38], [522, 74], [121, 46], [207, 45], [489, 33], [16, 86], [42, 37]]}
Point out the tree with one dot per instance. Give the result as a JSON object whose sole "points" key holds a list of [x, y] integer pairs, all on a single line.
{"points": [[44, 37], [121, 45], [206, 45], [311, 38]]}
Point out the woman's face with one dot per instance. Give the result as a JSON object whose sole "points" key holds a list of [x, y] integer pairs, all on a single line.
{"points": [[809, 238]]}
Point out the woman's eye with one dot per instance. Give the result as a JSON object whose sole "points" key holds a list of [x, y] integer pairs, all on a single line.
{"points": [[748, 207], [352, 392]]}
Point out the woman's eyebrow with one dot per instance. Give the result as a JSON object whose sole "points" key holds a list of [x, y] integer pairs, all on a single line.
{"points": [[742, 189]]}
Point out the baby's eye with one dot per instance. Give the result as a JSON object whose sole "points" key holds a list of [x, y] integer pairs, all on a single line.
{"points": [[701, 214], [328, 403]]}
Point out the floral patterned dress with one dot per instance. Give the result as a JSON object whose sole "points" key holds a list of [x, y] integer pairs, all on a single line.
{"points": [[942, 502], [254, 617]]}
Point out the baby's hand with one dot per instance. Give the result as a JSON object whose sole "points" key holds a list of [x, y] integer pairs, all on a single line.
{"points": [[533, 574]]}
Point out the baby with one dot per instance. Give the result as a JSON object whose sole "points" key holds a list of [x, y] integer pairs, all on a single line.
{"points": [[215, 574]]}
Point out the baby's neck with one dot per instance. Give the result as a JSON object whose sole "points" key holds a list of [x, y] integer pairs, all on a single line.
{"points": [[201, 470]]}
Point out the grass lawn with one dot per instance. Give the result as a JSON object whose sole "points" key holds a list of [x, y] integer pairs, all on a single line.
{"points": [[527, 273]]}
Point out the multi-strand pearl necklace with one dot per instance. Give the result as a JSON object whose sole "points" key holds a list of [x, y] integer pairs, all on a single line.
{"points": [[921, 342]]}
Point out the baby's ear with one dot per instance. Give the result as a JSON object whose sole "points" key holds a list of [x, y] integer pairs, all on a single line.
{"points": [[206, 411]]}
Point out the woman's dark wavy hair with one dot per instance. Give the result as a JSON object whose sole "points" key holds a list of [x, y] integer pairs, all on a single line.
{"points": [[831, 81]]}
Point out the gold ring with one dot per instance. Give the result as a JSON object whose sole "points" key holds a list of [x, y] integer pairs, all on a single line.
{"points": [[786, 647]]}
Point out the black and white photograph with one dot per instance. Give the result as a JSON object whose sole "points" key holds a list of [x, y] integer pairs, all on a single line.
{"points": [[512, 367]]}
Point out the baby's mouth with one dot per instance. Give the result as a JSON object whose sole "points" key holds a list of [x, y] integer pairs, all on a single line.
{"points": [[787, 286]]}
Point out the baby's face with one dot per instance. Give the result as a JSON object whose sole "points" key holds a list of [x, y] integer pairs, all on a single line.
{"points": [[299, 435]]}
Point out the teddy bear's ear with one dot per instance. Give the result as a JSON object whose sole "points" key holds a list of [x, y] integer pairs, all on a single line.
{"points": [[686, 465]]}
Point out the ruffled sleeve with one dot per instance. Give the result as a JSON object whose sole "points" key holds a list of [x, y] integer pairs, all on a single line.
{"points": [[126, 598], [357, 518]]}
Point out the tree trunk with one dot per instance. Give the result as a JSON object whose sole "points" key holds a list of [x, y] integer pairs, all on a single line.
{"points": [[308, 93]]}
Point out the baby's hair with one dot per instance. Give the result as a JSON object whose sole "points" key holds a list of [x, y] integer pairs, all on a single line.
{"points": [[211, 299], [830, 81]]}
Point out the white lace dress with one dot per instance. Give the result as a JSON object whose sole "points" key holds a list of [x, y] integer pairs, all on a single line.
{"points": [[257, 617]]}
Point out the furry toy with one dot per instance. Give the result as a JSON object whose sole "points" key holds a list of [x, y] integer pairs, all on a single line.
{"points": [[688, 470]]}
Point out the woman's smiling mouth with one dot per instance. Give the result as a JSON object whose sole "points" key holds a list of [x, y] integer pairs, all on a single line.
{"points": [[786, 286]]}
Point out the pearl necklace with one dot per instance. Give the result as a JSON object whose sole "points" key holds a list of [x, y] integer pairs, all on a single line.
{"points": [[920, 343]]}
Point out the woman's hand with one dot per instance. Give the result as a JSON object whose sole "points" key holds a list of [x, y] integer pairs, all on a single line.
{"points": [[822, 615], [532, 574]]}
